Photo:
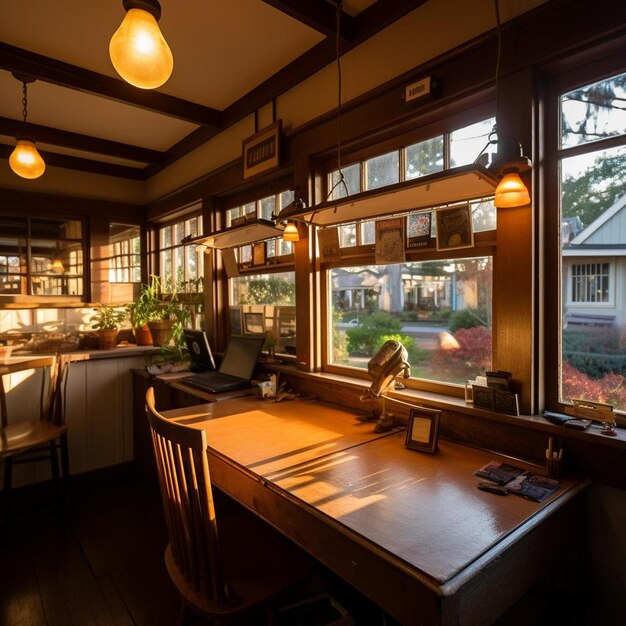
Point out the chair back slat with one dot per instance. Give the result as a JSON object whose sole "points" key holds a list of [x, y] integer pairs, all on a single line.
{"points": [[184, 478]]}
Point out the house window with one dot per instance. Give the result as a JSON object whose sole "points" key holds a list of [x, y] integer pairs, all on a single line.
{"points": [[591, 157], [41, 257], [181, 264], [459, 147], [265, 208], [265, 305], [125, 253], [440, 310], [590, 283]]}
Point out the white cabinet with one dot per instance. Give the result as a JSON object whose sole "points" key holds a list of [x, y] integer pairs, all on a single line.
{"points": [[98, 414]]}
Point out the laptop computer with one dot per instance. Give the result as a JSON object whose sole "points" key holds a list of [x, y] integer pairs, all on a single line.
{"points": [[199, 350], [236, 368]]}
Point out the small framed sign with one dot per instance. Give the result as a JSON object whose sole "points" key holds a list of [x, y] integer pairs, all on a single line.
{"points": [[454, 228], [422, 431], [261, 152], [258, 253]]}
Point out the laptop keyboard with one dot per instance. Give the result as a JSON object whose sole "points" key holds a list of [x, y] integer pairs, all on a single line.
{"points": [[214, 381]]}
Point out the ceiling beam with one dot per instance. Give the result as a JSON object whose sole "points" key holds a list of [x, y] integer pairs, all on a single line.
{"points": [[63, 74], [82, 165], [319, 15], [86, 143], [380, 15]]}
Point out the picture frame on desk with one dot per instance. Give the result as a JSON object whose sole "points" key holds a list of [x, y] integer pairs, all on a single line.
{"points": [[422, 431]]}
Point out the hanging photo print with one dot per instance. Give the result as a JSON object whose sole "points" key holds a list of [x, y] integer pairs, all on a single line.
{"points": [[390, 241]]}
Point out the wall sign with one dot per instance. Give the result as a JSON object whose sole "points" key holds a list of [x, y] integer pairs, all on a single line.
{"points": [[417, 89], [261, 152]]}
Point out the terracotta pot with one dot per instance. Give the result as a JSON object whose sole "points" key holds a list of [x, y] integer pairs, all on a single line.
{"points": [[160, 331], [143, 336], [107, 339]]}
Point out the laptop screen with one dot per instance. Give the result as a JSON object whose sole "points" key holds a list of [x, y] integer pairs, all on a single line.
{"points": [[241, 356], [199, 350]]}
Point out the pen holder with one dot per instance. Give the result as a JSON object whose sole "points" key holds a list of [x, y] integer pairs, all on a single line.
{"points": [[554, 467]]}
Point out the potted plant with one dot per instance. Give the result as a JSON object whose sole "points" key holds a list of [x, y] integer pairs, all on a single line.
{"points": [[139, 313], [106, 321], [158, 315]]}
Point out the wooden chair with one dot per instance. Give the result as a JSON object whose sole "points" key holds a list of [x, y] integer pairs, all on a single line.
{"points": [[36, 440], [220, 568]]}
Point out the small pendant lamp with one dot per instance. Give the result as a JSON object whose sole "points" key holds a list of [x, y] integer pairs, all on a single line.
{"points": [[25, 160], [138, 50]]}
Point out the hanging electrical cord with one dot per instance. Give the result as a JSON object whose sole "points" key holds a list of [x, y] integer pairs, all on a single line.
{"points": [[341, 181]]}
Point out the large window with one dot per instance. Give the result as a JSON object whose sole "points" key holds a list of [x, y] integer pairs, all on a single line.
{"points": [[459, 147], [591, 148], [125, 253], [265, 305], [181, 264], [439, 310], [41, 256]]}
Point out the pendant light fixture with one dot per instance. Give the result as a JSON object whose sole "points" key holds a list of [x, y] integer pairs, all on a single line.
{"points": [[291, 232], [138, 50], [509, 161], [25, 160]]}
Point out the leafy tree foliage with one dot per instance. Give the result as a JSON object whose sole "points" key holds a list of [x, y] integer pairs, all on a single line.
{"points": [[269, 291], [587, 196]]}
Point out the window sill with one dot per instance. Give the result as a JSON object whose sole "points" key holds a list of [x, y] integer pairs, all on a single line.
{"points": [[536, 423]]}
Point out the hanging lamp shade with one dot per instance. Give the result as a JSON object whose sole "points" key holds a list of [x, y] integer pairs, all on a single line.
{"points": [[138, 50], [26, 161], [57, 266], [291, 232], [511, 192]]}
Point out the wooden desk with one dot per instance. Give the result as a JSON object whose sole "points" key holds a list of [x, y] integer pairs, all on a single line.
{"points": [[409, 530]]}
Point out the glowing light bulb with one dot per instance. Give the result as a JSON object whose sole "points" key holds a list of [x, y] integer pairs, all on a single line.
{"points": [[26, 161], [291, 232], [511, 192], [139, 52]]}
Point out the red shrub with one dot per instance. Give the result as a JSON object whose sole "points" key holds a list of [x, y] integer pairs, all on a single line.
{"points": [[611, 388]]}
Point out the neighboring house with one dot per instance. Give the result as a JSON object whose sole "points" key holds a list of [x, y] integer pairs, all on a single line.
{"points": [[594, 269]]}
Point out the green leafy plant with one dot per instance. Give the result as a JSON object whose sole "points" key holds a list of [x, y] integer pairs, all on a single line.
{"points": [[467, 318], [107, 317]]}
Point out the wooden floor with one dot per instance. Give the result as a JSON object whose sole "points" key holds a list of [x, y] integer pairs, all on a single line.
{"points": [[106, 567]]}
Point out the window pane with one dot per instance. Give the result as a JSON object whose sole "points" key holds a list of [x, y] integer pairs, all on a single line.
{"points": [[368, 232], [382, 170], [347, 235], [593, 112], [166, 267], [593, 271], [245, 254], [352, 179], [179, 232], [191, 227], [264, 304], [466, 143], [285, 247], [286, 198], [249, 208], [267, 207], [270, 248], [424, 158], [166, 237], [231, 214], [484, 216], [417, 304]]}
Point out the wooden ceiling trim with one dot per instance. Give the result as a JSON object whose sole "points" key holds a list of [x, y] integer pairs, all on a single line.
{"points": [[56, 137], [82, 165], [50, 70], [319, 15], [380, 15]]}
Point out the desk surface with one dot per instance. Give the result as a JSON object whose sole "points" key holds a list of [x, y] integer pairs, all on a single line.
{"points": [[420, 514]]}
